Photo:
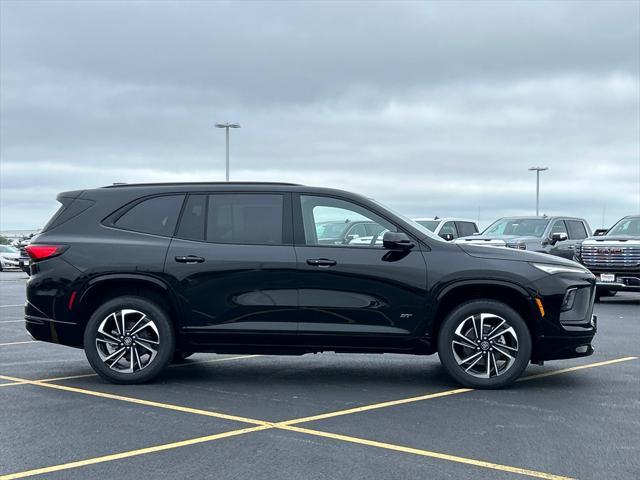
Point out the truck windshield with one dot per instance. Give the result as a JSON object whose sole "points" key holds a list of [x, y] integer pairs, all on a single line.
{"points": [[626, 226], [533, 227], [430, 224]]}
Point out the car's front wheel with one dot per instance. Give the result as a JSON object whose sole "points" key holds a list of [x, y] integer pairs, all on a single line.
{"points": [[129, 340], [484, 344]]}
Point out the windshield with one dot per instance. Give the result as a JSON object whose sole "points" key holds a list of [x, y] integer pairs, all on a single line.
{"points": [[522, 227], [430, 224], [421, 228], [8, 249], [626, 226]]}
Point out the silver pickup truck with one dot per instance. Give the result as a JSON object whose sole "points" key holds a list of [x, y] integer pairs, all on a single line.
{"points": [[614, 258]]}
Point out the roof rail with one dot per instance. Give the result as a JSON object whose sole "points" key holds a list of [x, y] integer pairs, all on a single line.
{"points": [[160, 184]]}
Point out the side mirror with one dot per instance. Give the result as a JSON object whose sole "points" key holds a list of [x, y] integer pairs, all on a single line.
{"points": [[558, 237], [447, 236], [600, 232], [397, 241]]}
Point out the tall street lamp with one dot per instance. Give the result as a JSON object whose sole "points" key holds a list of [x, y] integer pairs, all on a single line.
{"points": [[538, 170], [226, 127]]}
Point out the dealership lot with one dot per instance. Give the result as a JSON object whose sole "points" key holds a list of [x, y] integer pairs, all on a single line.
{"points": [[318, 416]]}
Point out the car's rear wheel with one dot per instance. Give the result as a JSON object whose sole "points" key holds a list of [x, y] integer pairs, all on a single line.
{"points": [[129, 340], [484, 344]]}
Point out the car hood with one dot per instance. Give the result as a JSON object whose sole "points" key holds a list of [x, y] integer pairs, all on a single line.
{"points": [[496, 239], [621, 240], [482, 251]]}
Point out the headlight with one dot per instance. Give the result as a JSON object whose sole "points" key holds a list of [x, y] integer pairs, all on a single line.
{"points": [[551, 269]]}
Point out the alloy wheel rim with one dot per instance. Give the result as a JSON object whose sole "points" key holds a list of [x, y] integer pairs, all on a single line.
{"points": [[485, 345], [127, 341]]}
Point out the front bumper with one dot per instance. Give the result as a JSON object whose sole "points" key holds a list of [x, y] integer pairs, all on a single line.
{"points": [[558, 347], [622, 281]]}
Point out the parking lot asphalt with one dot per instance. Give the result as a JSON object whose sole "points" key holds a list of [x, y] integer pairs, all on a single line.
{"points": [[323, 416]]}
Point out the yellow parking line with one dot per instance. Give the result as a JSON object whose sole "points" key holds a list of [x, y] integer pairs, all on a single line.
{"points": [[288, 425], [579, 367], [139, 401], [131, 453], [214, 360], [427, 453], [12, 383], [375, 406]]}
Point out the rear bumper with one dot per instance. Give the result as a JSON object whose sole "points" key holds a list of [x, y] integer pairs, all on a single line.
{"points": [[54, 331]]}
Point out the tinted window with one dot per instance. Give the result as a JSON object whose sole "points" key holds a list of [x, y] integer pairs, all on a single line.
{"points": [[430, 224], [576, 229], [448, 229], [466, 228], [245, 218], [558, 227], [157, 215], [192, 220], [517, 226], [326, 219]]}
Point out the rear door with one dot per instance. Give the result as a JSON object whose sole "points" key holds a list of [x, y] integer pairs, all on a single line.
{"points": [[232, 262], [354, 290]]}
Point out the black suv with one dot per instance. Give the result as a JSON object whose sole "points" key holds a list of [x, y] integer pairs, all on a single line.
{"points": [[140, 275]]}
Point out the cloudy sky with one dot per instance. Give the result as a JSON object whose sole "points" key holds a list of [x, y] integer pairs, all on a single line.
{"points": [[436, 108]]}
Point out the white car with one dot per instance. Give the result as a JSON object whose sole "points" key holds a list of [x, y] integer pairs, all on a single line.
{"points": [[449, 228], [9, 257]]}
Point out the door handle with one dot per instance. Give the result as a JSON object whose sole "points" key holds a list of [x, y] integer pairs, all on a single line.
{"points": [[189, 259], [321, 262]]}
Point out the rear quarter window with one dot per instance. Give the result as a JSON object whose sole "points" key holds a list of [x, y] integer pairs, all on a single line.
{"points": [[156, 215]]}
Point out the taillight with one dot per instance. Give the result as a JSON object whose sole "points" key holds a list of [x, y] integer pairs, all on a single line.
{"points": [[40, 252]]}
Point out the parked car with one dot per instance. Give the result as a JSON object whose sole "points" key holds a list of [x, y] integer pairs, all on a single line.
{"points": [[8, 257], [344, 231], [24, 262], [614, 258], [554, 235], [138, 275], [449, 228]]}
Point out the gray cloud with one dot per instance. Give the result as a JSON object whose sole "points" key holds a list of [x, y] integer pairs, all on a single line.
{"points": [[432, 107]]}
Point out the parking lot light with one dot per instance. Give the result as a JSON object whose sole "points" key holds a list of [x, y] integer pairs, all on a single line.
{"points": [[227, 126], [538, 170]]}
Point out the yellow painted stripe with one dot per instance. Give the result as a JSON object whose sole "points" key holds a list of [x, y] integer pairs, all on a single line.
{"points": [[139, 401], [12, 383], [132, 453], [427, 453], [86, 375], [574, 369], [375, 406]]}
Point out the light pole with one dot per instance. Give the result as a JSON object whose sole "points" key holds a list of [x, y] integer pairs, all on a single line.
{"points": [[226, 127], [538, 170]]}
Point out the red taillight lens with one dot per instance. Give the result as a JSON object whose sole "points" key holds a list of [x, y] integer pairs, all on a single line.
{"points": [[40, 252]]}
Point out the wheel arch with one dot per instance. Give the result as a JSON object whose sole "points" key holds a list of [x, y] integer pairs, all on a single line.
{"points": [[105, 287], [511, 294]]}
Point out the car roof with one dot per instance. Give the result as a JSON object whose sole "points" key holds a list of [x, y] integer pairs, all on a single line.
{"points": [[553, 217], [443, 219]]}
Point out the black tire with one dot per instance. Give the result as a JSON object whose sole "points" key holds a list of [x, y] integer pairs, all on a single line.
{"points": [[165, 347], [461, 314], [180, 356]]}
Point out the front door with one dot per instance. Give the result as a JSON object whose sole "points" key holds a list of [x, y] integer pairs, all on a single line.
{"points": [[358, 288], [232, 263]]}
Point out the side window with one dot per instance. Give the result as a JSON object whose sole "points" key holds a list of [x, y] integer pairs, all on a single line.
{"points": [[156, 215], [576, 229], [327, 220], [245, 218], [448, 229], [559, 227], [192, 220], [466, 228]]}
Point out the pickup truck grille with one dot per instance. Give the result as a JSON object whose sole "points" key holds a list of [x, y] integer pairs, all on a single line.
{"points": [[611, 257]]}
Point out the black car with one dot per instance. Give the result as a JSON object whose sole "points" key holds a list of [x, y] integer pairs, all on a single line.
{"points": [[614, 258], [140, 275], [554, 235]]}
